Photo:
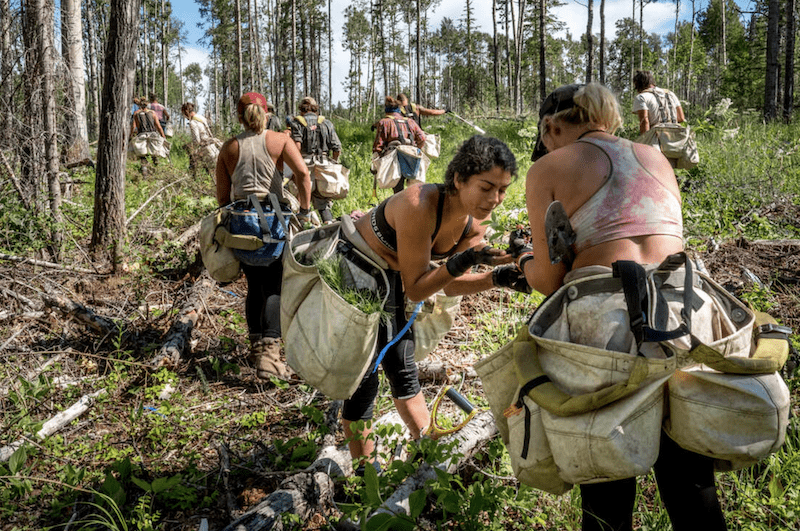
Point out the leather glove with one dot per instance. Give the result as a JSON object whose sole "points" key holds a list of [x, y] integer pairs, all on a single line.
{"points": [[508, 276], [460, 263], [517, 243]]}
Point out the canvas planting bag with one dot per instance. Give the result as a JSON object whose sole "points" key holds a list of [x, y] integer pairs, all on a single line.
{"points": [[433, 321], [331, 179], [218, 259], [593, 411], [328, 342]]}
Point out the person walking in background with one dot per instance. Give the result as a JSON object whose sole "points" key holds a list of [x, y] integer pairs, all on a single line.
{"points": [[623, 202], [161, 112], [654, 105], [318, 142], [273, 122], [247, 164], [415, 111], [394, 130], [204, 148], [146, 135]]}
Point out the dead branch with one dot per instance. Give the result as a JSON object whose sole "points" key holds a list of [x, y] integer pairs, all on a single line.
{"points": [[225, 470], [469, 439], [50, 265], [11, 175], [176, 342], [54, 424], [21, 298], [306, 492], [138, 210], [438, 371], [5, 315], [80, 313], [28, 376]]}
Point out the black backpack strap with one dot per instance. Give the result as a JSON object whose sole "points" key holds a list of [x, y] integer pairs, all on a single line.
{"points": [[634, 285], [407, 138]]}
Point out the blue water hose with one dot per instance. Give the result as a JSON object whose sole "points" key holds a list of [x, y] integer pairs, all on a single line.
{"points": [[399, 335]]}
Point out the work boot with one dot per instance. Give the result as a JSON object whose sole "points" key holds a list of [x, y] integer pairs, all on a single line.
{"points": [[265, 355]]}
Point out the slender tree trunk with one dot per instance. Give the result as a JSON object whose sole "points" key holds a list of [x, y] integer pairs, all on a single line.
{"points": [[689, 74], [108, 229], [788, 84], [508, 51], [94, 77], [602, 42], [542, 50], [675, 47], [164, 61], [773, 48], [496, 59], [589, 41], [724, 39], [76, 135], [330, 59], [239, 55], [641, 33], [418, 81], [294, 54], [5, 70]]}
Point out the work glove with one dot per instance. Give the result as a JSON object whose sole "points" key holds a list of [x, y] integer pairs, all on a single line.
{"points": [[447, 110], [460, 263], [508, 276], [517, 243]]}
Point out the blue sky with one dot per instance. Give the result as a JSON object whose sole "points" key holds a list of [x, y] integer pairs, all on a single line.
{"points": [[659, 17]]}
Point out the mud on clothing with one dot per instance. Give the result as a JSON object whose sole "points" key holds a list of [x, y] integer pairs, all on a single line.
{"points": [[255, 172], [388, 236], [631, 202]]}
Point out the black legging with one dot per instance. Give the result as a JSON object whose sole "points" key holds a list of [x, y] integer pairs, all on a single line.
{"points": [[263, 303], [686, 484]]}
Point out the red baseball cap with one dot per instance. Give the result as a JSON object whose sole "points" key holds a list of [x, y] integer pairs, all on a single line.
{"points": [[251, 98]]}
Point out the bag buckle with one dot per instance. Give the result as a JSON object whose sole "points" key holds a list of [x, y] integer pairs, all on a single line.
{"points": [[773, 331]]}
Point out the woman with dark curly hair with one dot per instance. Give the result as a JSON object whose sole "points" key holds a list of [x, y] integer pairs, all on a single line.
{"points": [[409, 229]]}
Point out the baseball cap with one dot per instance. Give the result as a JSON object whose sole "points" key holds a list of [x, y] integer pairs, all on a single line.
{"points": [[559, 100], [249, 98], [309, 100]]}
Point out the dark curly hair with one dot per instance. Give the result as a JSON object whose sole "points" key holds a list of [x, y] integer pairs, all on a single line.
{"points": [[476, 155]]}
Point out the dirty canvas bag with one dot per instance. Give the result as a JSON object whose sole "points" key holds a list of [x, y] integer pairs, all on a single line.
{"points": [[433, 321], [433, 146], [218, 259], [331, 179], [329, 342]]}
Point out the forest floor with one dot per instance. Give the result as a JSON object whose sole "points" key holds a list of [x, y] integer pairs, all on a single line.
{"points": [[215, 379]]}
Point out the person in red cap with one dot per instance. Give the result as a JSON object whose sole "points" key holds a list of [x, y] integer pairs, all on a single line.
{"points": [[248, 164], [317, 140]]}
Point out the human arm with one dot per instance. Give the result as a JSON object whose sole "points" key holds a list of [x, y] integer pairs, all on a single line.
{"points": [[226, 163], [414, 249], [380, 139], [542, 275], [430, 112], [290, 154], [166, 115], [419, 134], [644, 121], [160, 129], [334, 144], [679, 113]]}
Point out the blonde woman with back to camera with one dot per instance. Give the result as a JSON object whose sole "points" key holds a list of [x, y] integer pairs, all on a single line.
{"points": [[247, 164], [623, 202]]}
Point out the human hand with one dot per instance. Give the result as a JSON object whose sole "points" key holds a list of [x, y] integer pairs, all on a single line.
{"points": [[508, 276], [518, 243], [460, 263]]}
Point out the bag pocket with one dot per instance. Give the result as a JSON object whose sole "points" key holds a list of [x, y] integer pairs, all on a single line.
{"points": [[433, 322], [221, 263], [245, 221]]}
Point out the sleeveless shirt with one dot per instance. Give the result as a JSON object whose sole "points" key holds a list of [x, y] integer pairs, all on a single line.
{"points": [[255, 173], [388, 236], [631, 202]]}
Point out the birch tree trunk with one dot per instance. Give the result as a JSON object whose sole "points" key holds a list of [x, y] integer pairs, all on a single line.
{"points": [[94, 82], [76, 134], [108, 229], [46, 53]]}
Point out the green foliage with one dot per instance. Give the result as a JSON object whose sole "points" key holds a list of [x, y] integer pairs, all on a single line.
{"points": [[333, 272]]}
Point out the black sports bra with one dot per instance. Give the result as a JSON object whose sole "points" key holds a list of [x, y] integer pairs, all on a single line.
{"points": [[388, 236]]}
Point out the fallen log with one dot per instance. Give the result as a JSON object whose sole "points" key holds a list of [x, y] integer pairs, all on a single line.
{"points": [[50, 265], [308, 491], [468, 439], [176, 343], [80, 313], [54, 424]]}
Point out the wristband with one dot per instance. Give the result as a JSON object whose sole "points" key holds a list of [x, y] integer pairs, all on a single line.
{"points": [[304, 211], [523, 259]]}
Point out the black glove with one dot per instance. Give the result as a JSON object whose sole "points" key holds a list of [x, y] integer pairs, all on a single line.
{"points": [[517, 243], [303, 216], [460, 263], [447, 110], [508, 276]]}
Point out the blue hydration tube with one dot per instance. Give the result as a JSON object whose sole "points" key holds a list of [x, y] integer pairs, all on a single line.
{"points": [[399, 335]]}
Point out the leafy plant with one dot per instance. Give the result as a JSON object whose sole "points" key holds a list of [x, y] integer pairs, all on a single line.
{"points": [[333, 271]]}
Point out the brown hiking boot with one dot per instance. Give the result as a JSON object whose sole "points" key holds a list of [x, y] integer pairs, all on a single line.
{"points": [[265, 355]]}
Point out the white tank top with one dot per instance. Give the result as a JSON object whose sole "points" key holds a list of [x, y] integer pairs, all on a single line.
{"points": [[255, 173]]}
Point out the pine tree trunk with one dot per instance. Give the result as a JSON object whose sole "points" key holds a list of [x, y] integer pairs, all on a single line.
{"points": [[542, 50], [108, 229], [788, 88], [239, 57], [602, 60], [773, 48], [5, 65], [589, 41], [496, 59]]}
